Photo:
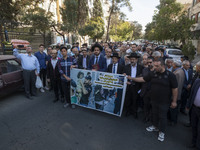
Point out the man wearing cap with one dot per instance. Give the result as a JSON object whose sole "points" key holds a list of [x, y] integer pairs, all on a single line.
{"points": [[83, 60], [97, 61], [115, 67], [134, 70]]}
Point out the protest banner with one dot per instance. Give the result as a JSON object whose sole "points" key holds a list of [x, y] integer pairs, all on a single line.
{"points": [[98, 90]]}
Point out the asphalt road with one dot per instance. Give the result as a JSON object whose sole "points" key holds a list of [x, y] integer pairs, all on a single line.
{"points": [[40, 124]]}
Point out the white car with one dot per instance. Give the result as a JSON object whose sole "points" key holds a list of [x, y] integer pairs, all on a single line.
{"points": [[176, 54]]}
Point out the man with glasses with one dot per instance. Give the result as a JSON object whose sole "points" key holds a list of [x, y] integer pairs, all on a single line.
{"points": [[53, 76]]}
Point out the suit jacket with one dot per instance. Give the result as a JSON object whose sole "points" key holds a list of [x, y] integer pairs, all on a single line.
{"points": [[189, 81], [193, 93], [80, 61], [120, 69], [102, 63], [180, 76], [52, 73], [127, 71]]}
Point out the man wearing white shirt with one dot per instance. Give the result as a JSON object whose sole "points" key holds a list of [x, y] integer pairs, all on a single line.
{"points": [[53, 76], [108, 58], [31, 68], [134, 70], [115, 67]]}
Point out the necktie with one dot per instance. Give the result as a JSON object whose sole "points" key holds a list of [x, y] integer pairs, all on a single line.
{"points": [[96, 60], [113, 68]]}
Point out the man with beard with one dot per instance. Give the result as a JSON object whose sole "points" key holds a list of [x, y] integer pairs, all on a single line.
{"points": [[134, 70], [86, 90], [97, 61], [164, 92]]}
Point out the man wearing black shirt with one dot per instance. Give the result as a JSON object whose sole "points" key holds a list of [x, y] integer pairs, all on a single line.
{"points": [[163, 86]]}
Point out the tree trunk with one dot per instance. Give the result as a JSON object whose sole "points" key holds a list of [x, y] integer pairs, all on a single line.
{"points": [[109, 19], [1, 36]]}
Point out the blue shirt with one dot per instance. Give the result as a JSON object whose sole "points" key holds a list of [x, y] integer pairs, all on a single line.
{"points": [[59, 54], [186, 73], [28, 62], [96, 57], [42, 58]]}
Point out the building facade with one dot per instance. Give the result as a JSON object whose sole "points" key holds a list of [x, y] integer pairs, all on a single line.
{"points": [[194, 13]]}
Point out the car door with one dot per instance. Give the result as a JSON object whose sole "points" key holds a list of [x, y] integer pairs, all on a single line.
{"points": [[11, 75]]}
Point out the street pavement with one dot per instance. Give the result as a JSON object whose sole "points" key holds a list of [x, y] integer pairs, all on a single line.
{"points": [[40, 124]]}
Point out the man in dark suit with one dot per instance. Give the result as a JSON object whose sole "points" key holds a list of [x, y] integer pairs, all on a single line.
{"points": [[134, 70], [186, 85], [97, 61], [53, 76], [83, 60], [115, 67], [194, 105]]}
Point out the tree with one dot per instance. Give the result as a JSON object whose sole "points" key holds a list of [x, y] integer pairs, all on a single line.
{"points": [[11, 11], [74, 15], [150, 31], [189, 50], [171, 22], [122, 31], [40, 20], [94, 28], [136, 30], [97, 10], [115, 7]]}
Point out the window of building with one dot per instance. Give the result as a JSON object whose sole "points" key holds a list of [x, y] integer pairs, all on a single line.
{"points": [[194, 2], [193, 17], [198, 18]]}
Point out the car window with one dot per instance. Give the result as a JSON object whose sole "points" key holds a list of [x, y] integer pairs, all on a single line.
{"points": [[9, 66], [13, 65], [175, 52], [3, 65]]}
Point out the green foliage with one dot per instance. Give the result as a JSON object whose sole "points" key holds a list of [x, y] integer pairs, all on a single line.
{"points": [[12, 9], [39, 19], [136, 30], [74, 15], [189, 50], [97, 10], [171, 22], [121, 32], [94, 28]]}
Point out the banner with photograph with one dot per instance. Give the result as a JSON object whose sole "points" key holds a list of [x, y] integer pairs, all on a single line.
{"points": [[98, 90]]}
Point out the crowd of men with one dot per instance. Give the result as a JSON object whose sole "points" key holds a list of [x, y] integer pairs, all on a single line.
{"points": [[159, 85]]}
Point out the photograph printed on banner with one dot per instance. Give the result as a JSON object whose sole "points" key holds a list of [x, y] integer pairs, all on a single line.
{"points": [[97, 90]]}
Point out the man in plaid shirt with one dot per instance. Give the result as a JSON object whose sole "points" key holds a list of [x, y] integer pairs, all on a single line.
{"points": [[65, 65]]}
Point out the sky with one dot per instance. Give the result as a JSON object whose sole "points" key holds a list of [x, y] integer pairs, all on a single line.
{"points": [[143, 10]]}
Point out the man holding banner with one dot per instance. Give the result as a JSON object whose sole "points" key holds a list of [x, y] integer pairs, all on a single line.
{"points": [[97, 61], [64, 66], [134, 70]]}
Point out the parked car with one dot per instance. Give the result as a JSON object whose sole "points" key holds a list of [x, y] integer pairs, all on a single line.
{"points": [[11, 78], [176, 54]]}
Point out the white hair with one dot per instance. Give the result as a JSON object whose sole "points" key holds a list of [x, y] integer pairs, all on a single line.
{"points": [[156, 54], [168, 59], [185, 62], [177, 63]]}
